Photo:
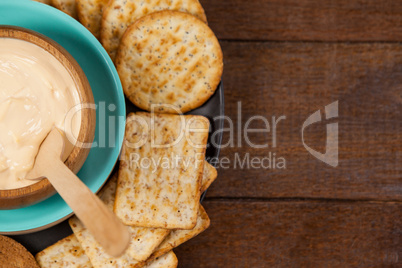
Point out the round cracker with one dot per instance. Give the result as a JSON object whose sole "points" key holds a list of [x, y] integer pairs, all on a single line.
{"points": [[90, 14], [14, 255], [118, 15], [169, 57]]}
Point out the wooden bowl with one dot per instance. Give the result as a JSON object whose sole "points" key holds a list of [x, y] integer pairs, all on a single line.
{"points": [[17, 198]]}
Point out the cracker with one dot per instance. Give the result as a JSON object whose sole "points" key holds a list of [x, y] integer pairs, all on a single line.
{"points": [[178, 237], [90, 14], [15, 255], [67, 6], [107, 194], [160, 187], [209, 176], [65, 253], [119, 14], [142, 243], [169, 260], [171, 58]]}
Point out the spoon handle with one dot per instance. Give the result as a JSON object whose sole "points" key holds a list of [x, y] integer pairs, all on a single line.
{"points": [[103, 224]]}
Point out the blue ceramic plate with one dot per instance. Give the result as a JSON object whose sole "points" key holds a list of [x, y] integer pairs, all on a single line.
{"points": [[109, 98]]}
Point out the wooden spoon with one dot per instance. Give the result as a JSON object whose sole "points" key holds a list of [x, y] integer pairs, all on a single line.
{"points": [[107, 229]]}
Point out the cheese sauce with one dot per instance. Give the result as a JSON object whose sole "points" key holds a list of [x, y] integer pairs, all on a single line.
{"points": [[36, 93]]}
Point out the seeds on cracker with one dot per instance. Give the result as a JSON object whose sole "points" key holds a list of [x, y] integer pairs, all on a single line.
{"points": [[90, 14], [67, 6], [119, 14], [178, 237], [169, 260], [65, 253], [142, 243], [68, 252], [161, 170], [169, 62]]}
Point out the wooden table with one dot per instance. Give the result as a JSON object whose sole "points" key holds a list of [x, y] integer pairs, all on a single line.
{"points": [[291, 58]]}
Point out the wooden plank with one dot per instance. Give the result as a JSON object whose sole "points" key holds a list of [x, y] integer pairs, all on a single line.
{"points": [[297, 234], [295, 80], [324, 20]]}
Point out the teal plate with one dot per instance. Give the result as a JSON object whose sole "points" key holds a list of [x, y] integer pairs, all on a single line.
{"points": [[109, 98]]}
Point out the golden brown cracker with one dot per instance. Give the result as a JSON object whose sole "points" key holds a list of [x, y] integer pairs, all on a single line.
{"points": [[119, 14], [65, 253], [209, 176], [178, 237], [169, 58], [142, 243], [67, 6], [90, 14], [15, 255], [169, 260], [161, 170]]}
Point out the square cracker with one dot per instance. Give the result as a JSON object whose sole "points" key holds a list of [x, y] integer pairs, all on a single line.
{"points": [[178, 237], [150, 236], [142, 243], [161, 169], [169, 260], [65, 253], [209, 176]]}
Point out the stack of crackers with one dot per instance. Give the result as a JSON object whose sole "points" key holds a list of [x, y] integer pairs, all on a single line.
{"points": [[168, 59], [169, 62], [156, 193]]}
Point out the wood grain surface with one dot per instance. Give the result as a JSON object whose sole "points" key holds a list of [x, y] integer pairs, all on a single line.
{"points": [[309, 20], [291, 58], [295, 80], [297, 234]]}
